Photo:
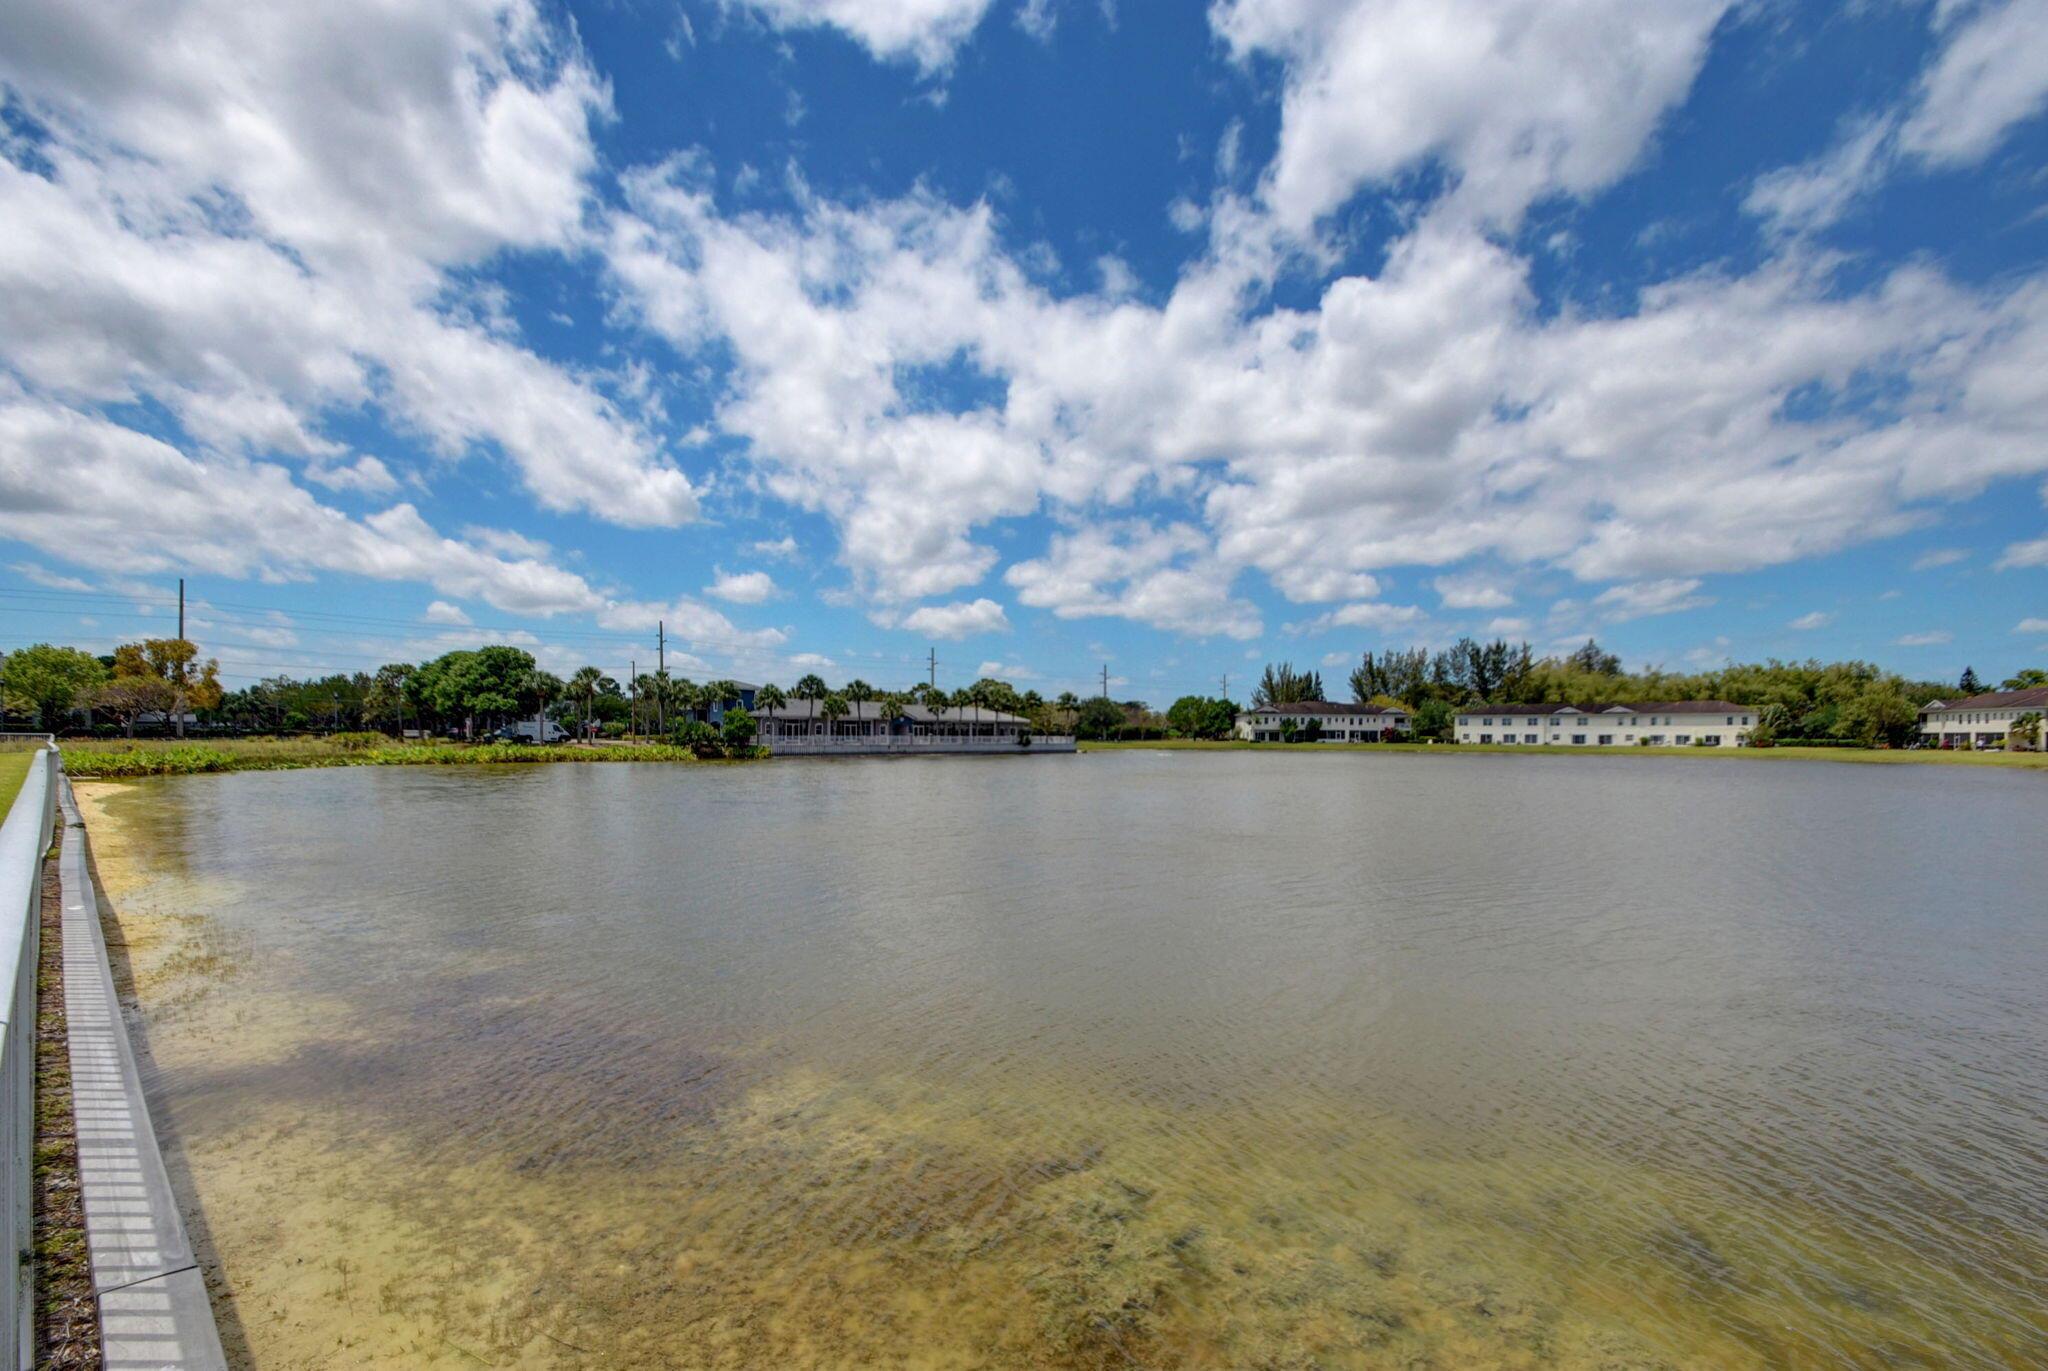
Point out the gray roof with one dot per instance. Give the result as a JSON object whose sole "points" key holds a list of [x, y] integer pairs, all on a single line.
{"points": [[1322, 707], [2036, 698], [866, 711]]}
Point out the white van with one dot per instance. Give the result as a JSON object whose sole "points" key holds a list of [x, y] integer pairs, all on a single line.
{"points": [[534, 731]]}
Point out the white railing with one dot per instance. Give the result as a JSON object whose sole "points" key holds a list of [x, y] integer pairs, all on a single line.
{"points": [[910, 745], [24, 838]]}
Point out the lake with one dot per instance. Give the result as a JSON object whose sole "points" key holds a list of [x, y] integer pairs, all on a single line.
{"points": [[1133, 1059]]}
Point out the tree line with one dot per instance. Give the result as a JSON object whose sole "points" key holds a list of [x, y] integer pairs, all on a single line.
{"points": [[163, 681], [471, 692], [1811, 701]]}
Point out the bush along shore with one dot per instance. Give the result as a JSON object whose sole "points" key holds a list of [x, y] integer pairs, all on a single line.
{"points": [[93, 759]]}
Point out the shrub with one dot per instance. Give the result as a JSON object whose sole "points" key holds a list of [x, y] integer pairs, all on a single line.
{"points": [[358, 742]]}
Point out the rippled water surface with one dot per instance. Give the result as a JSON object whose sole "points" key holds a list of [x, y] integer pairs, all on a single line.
{"points": [[1169, 1059]]}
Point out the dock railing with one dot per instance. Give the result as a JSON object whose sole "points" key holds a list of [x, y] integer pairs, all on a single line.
{"points": [[24, 838], [914, 745]]}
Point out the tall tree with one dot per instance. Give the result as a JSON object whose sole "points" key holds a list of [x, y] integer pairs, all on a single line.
{"points": [[175, 662], [834, 708], [722, 694], [128, 698], [1069, 705], [1969, 685], [583, 688], [892, 708], [1283, 685], [1590, 656], [50, 680], [1199, 716], [386, 699], [1098, 718], [812, 688], [490, 683]]}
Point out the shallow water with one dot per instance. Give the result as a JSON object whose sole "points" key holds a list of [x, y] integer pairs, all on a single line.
{"points": [[1232, 1060]]}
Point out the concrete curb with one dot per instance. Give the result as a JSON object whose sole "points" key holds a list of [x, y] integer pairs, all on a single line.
{"points": [[154, 1311]]}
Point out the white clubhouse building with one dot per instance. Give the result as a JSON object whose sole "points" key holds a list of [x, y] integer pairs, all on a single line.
{"points": [[1665, 723], [1334, 723], [1981, 720]]}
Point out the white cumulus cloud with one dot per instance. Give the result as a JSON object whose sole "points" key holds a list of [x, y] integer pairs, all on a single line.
{"points": [[964, 619]]}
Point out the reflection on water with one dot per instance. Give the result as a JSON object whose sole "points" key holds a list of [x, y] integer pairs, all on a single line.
{"points": [[1135, 1060]]}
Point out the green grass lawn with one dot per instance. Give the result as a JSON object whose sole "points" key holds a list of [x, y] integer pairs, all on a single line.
{"points": [[13, 768], [1881, 756]]}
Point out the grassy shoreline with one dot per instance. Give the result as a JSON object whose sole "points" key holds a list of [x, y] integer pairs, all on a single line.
{"points": [[2035, 761], [120, 759]]}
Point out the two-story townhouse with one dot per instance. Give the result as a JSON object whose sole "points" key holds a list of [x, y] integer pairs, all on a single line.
{"points": [[1332, 723], [1657, 723]]}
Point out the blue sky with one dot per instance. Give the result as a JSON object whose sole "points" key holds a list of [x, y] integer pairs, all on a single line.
{"points": [[1045, 335]]}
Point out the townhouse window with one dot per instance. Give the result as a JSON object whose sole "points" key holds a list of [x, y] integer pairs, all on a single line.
{"points": [[1486, 737], [1582, 723], [1731, 718], [1528, 737], [1684, 739], [1607, 740], [1578, 738]]}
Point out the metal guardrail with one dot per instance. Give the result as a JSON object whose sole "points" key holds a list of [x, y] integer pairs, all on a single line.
{"points": [[24, 838]]}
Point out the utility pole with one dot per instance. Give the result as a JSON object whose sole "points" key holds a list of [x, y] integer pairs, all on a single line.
{"points": [[932, 665], [660, 647], [1105, 680], [1226, 685], [633, 689], [181, 608]]}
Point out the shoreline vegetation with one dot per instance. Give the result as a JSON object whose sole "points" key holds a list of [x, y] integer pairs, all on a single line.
{"points": [[2037, 761], [95, 759], [123, 759]]}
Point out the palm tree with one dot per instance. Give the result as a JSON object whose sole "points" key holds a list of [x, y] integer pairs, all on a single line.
{"points": [[892, 709], [767, 699], [583, 689], [813, 688], [686, 697], [834, 708], [964, 698], [1069, 705], [721, 694]]}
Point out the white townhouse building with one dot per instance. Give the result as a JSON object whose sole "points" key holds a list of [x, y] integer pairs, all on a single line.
{"points": [[1334, 723], [1661, 723], [1981, 719]]}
